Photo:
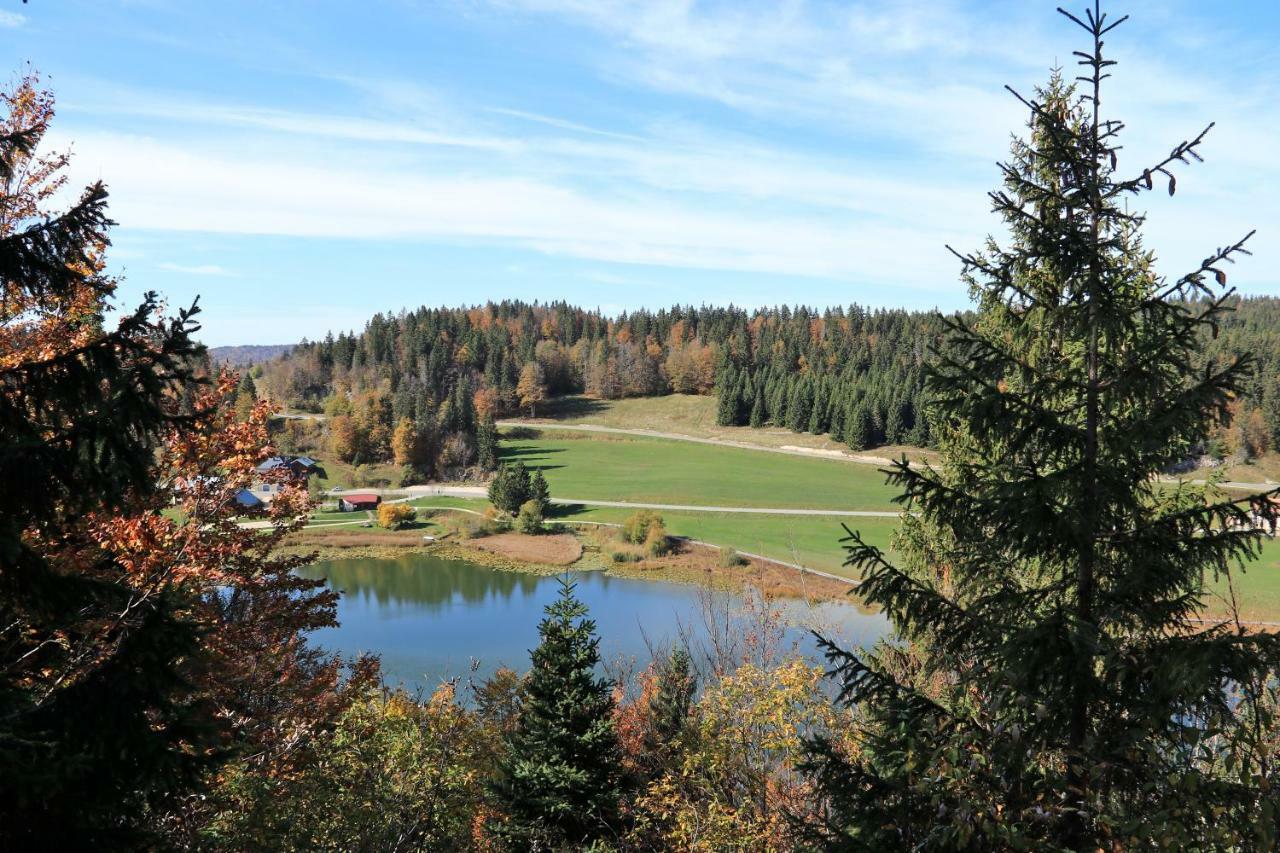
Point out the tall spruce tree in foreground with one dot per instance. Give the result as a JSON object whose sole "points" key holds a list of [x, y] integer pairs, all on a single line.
{"points": [[1053, 689], [97, 726], [559, 783]]}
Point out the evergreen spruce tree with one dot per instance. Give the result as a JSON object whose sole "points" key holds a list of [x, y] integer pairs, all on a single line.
{"points": [[1052, 690], [757, 418], [728, 403], [798, 405], [539, 492], [670, 705], [510, 487], [97, 725], [778, 402], [836, 411], [859, 428], [895, 428], [817, 413], [448, 417], [559, 784], [487, 444], [464, 405]]}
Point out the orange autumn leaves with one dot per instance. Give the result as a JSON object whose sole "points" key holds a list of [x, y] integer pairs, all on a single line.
{"points": [[201, 468], [38, 328]]}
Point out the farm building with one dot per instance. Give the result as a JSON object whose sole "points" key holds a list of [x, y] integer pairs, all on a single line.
{"points": [[351, 503], [302, 466]]}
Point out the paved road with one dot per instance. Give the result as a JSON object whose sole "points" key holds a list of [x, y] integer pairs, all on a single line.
{"points": [[722, 442], [1249, 487], [480, 492]]}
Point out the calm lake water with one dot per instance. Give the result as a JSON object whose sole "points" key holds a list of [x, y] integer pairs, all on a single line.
{"points": [[431, 619]]}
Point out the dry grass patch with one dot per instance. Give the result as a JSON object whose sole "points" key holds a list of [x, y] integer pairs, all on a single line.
{"points": [[356, 538], [559, 549], [700, 564]]}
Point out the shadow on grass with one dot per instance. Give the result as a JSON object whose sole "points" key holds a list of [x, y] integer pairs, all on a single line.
{"points": [[571, 406], [565, 512], [513, 452]]}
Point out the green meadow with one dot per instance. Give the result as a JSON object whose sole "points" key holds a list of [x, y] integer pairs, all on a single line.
{"points": [[647, 470], [650, 470]]}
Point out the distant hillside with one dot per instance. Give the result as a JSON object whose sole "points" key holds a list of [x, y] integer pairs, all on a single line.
{"points": [[246, 355], [854, 374]]}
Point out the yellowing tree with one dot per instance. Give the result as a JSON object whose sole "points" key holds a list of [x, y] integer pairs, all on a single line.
{"points": [[404, 443], [342, 438], [394, 516], [532, 387]]}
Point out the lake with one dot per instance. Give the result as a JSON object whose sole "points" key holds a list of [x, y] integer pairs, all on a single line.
{"points": [[431, 619]]}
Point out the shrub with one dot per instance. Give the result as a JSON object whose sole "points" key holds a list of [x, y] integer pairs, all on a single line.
{"points": [[471, 527], [394, 516], [657, 543], [730, 558], [625, 557], [530, 518], [637, 527]]}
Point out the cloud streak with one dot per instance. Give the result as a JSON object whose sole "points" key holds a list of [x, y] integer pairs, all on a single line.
{"points": [[196, 269], [860, 138]]}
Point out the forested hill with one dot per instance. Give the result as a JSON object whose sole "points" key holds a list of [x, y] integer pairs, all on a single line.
{"points": [[852, 372], [240, 356]]}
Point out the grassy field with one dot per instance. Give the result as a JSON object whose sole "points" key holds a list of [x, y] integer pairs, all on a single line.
{"points": [[812, 541], [687, 414], [657, 471], [1263, 470], [1257, 587], [627, 468], [349, 477]]}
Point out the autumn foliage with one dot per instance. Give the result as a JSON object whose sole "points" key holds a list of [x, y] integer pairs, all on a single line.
{"points": [[145, 637]]}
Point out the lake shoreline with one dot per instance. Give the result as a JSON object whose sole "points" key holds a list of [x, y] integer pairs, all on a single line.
{"points": [[691, 564]]}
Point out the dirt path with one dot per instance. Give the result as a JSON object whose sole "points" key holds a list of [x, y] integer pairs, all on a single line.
{"points": [[789, 450]]}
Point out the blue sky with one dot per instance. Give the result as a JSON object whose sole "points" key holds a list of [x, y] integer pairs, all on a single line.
{"points": [[301, 165]]}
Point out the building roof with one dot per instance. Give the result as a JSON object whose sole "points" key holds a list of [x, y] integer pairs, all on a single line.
{"points": [[271, 464], [195, 481], [246, 498], [361, 498], [280, 461]]}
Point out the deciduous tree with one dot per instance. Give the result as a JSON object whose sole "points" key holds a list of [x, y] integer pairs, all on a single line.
{"points": [[138, 648], [532, 387]]}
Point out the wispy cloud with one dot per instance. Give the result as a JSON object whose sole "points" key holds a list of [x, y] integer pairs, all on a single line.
{"points": [[184, 109], [12, 20], [862, 139], [197, 269], [156, 185]]}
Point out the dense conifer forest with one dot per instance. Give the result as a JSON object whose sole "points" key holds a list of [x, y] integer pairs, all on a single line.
{"points": [[854, 373]]}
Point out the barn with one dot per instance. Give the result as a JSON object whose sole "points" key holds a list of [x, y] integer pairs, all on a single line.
{"points": [[353, 502]]}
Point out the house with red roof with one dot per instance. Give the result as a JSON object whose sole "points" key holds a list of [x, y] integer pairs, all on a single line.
{"points": [[358, 501]]}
